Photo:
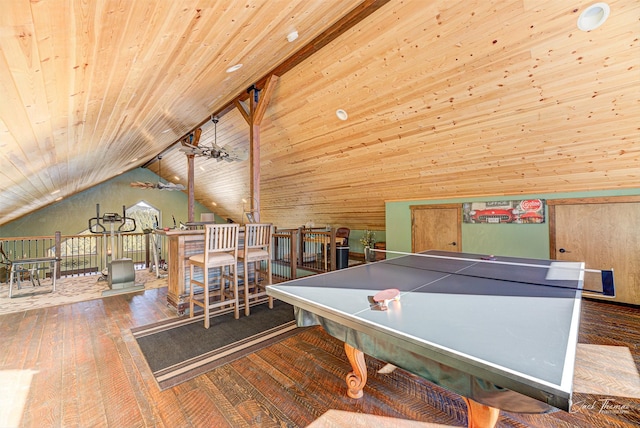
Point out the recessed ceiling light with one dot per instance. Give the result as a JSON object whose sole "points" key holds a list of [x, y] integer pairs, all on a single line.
{"points": [[176, 177], [58, 199], [593, 16], [134, 160], [165, 131], [202, 168], [342, 115], [234, 68], [55, 191], [214, 204], [292, 36]]}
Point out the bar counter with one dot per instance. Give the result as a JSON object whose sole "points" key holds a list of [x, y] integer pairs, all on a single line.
{"points": [[182, 244]]}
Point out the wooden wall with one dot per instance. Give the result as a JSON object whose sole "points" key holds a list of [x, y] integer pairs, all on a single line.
{"points": [[521, 101], [447, 99]]}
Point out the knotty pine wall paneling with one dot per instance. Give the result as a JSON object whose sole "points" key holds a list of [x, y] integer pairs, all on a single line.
{"points": [[454, 99]]}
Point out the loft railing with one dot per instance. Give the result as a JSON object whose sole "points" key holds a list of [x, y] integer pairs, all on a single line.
{"points": [[296, 252], [83, 254], [284, 261]]}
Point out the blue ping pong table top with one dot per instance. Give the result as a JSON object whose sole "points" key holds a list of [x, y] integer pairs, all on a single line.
{"points": [[510, 325]]}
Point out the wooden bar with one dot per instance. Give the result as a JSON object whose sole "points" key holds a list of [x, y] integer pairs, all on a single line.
{"points": [[181, 245]]}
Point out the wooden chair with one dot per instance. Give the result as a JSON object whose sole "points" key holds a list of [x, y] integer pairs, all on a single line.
{"points": [[257, 249], [343, 233], [221, 251]]}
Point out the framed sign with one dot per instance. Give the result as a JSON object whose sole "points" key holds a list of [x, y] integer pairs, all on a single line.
{"points": [[527, 211]]}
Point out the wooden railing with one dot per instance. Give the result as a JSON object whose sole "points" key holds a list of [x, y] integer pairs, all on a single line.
{"points": [[284, 262], [296, 252], [304, 251], [83, 254]]}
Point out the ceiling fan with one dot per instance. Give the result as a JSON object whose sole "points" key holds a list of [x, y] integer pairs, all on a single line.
{"points": [[190, 146], [159, 185]]}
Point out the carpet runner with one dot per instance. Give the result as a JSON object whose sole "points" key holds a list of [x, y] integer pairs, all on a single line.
{"points": [[180, 349]]}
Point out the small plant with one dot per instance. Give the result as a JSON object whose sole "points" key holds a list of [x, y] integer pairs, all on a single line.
{"points": [[368, 238]]}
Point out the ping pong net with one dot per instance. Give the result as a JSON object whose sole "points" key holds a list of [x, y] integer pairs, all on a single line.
{"points": [[553, 273]]}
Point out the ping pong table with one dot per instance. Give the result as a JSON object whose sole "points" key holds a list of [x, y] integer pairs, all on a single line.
{"points": [[500, 331]]}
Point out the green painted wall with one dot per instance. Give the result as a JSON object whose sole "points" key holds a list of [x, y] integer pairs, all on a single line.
{"points": [[354, 239], [71, 215], [519, 240]]}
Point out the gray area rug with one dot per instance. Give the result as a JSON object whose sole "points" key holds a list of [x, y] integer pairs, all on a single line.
{"points": [[180, 349]]}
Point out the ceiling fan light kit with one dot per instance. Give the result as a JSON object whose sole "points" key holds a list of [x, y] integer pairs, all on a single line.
{"points": [[191, 148]]}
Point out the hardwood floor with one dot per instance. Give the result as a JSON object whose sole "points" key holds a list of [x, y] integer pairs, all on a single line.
{"points": [[78, 365]]}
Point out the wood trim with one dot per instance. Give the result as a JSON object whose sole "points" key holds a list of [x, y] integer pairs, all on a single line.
{"points": [[430, 206], [265, 97], [551, 212], [551, 218], [595, 200]]}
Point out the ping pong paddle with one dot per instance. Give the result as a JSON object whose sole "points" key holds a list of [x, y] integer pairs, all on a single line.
{"points": [[386, 295], [380, 302]]}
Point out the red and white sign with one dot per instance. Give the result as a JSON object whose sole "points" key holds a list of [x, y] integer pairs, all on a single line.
{"points": [[530, 211]]}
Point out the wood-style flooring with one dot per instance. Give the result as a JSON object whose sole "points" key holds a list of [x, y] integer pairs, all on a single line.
{"points": [[77, 365]]}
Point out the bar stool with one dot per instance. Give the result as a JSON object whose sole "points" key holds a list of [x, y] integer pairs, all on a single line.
{"points": [[220, 251], [257, 249]]}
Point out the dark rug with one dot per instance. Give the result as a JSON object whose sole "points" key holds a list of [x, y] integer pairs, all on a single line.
{"points": [[180, 349]]}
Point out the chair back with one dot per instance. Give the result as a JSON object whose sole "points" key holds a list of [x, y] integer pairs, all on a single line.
{"points": [[221, 238], [258, 235], [343, 232]]}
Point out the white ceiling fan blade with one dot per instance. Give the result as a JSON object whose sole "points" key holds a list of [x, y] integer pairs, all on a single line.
{"points": [[236, 155]]}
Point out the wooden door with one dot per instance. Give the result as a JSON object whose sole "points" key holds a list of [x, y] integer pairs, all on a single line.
{"points": [[436, 227], [605, 234]]}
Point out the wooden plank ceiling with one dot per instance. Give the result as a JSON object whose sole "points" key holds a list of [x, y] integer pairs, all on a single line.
{"points": [[92, 89], [444, 99]]}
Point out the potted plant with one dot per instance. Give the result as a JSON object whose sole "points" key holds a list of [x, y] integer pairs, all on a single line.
{"points": [[368, 240]]}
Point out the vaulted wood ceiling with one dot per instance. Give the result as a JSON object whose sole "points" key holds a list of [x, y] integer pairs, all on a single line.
{"points": [[444, 98], [92, 89]]}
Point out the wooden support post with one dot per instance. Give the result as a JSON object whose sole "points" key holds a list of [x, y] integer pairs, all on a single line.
{"points": [[257, 108], [191, 176], [190, 187]]}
